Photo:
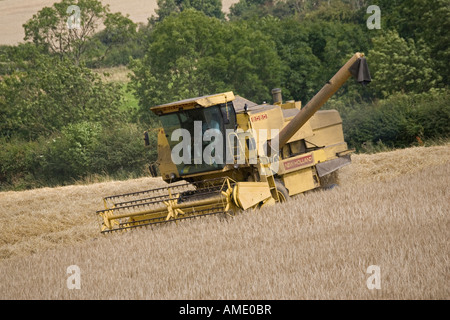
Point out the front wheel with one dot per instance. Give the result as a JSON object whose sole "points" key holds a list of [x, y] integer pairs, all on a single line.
{"points": [[283, 193]]}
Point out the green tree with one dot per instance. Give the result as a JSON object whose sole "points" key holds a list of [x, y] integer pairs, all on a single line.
{"points": [[248, 9], [17, 57], [399, 120], [401, 65], [324, 10], [191, 55], [50, 29], [422, 20], [175, 51], [211, 8], [311, 52], [299, 67], [49, 94], [70, 154]]}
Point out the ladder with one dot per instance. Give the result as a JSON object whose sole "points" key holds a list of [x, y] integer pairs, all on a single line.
{"points": [[266, 174]]}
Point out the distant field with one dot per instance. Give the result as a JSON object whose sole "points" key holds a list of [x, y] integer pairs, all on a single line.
{"points": [[14, 13], [390, 210]]}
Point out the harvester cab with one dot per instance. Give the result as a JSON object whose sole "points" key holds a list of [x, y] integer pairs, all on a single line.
{"points": [[222, 153], [199, 123]]}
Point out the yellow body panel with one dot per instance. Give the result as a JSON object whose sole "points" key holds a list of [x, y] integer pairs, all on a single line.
{"points": [[304, 132], [301, 161], [166, 166], [327, 129], [301, 180], [327, 133], [299, 173], [271, 118], [242, 121], [292, 104], [249, 194]]}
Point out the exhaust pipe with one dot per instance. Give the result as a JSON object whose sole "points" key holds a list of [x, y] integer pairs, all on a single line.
{"points": [[276, 96]]}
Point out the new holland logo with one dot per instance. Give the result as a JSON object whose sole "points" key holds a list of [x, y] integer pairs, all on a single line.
{"points": [[299, 162]]}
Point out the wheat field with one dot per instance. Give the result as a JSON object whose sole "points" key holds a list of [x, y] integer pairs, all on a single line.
{"points": [[390, 210]]}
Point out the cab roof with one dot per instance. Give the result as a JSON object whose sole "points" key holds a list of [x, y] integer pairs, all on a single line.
{"points": [[204, 101]]}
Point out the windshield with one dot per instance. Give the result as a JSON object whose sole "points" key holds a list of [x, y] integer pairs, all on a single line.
{"points": [[200, 145]]}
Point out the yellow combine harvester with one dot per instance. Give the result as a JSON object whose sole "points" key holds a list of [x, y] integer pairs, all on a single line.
{"points": [[222, 153]]}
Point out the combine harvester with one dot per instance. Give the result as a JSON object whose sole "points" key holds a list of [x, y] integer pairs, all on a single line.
{"points": [[235, 155]]}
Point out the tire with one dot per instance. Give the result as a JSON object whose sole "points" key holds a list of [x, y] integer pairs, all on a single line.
{"points": [[283, 193]]}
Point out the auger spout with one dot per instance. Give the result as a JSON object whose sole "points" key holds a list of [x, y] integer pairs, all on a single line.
{"points": [[356, 66]]}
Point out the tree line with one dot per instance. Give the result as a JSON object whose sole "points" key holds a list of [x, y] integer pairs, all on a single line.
{"points": [[60, 122]]}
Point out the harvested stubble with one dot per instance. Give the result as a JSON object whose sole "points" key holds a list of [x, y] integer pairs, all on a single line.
{"points": [[39, 219], [390, 210]]}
